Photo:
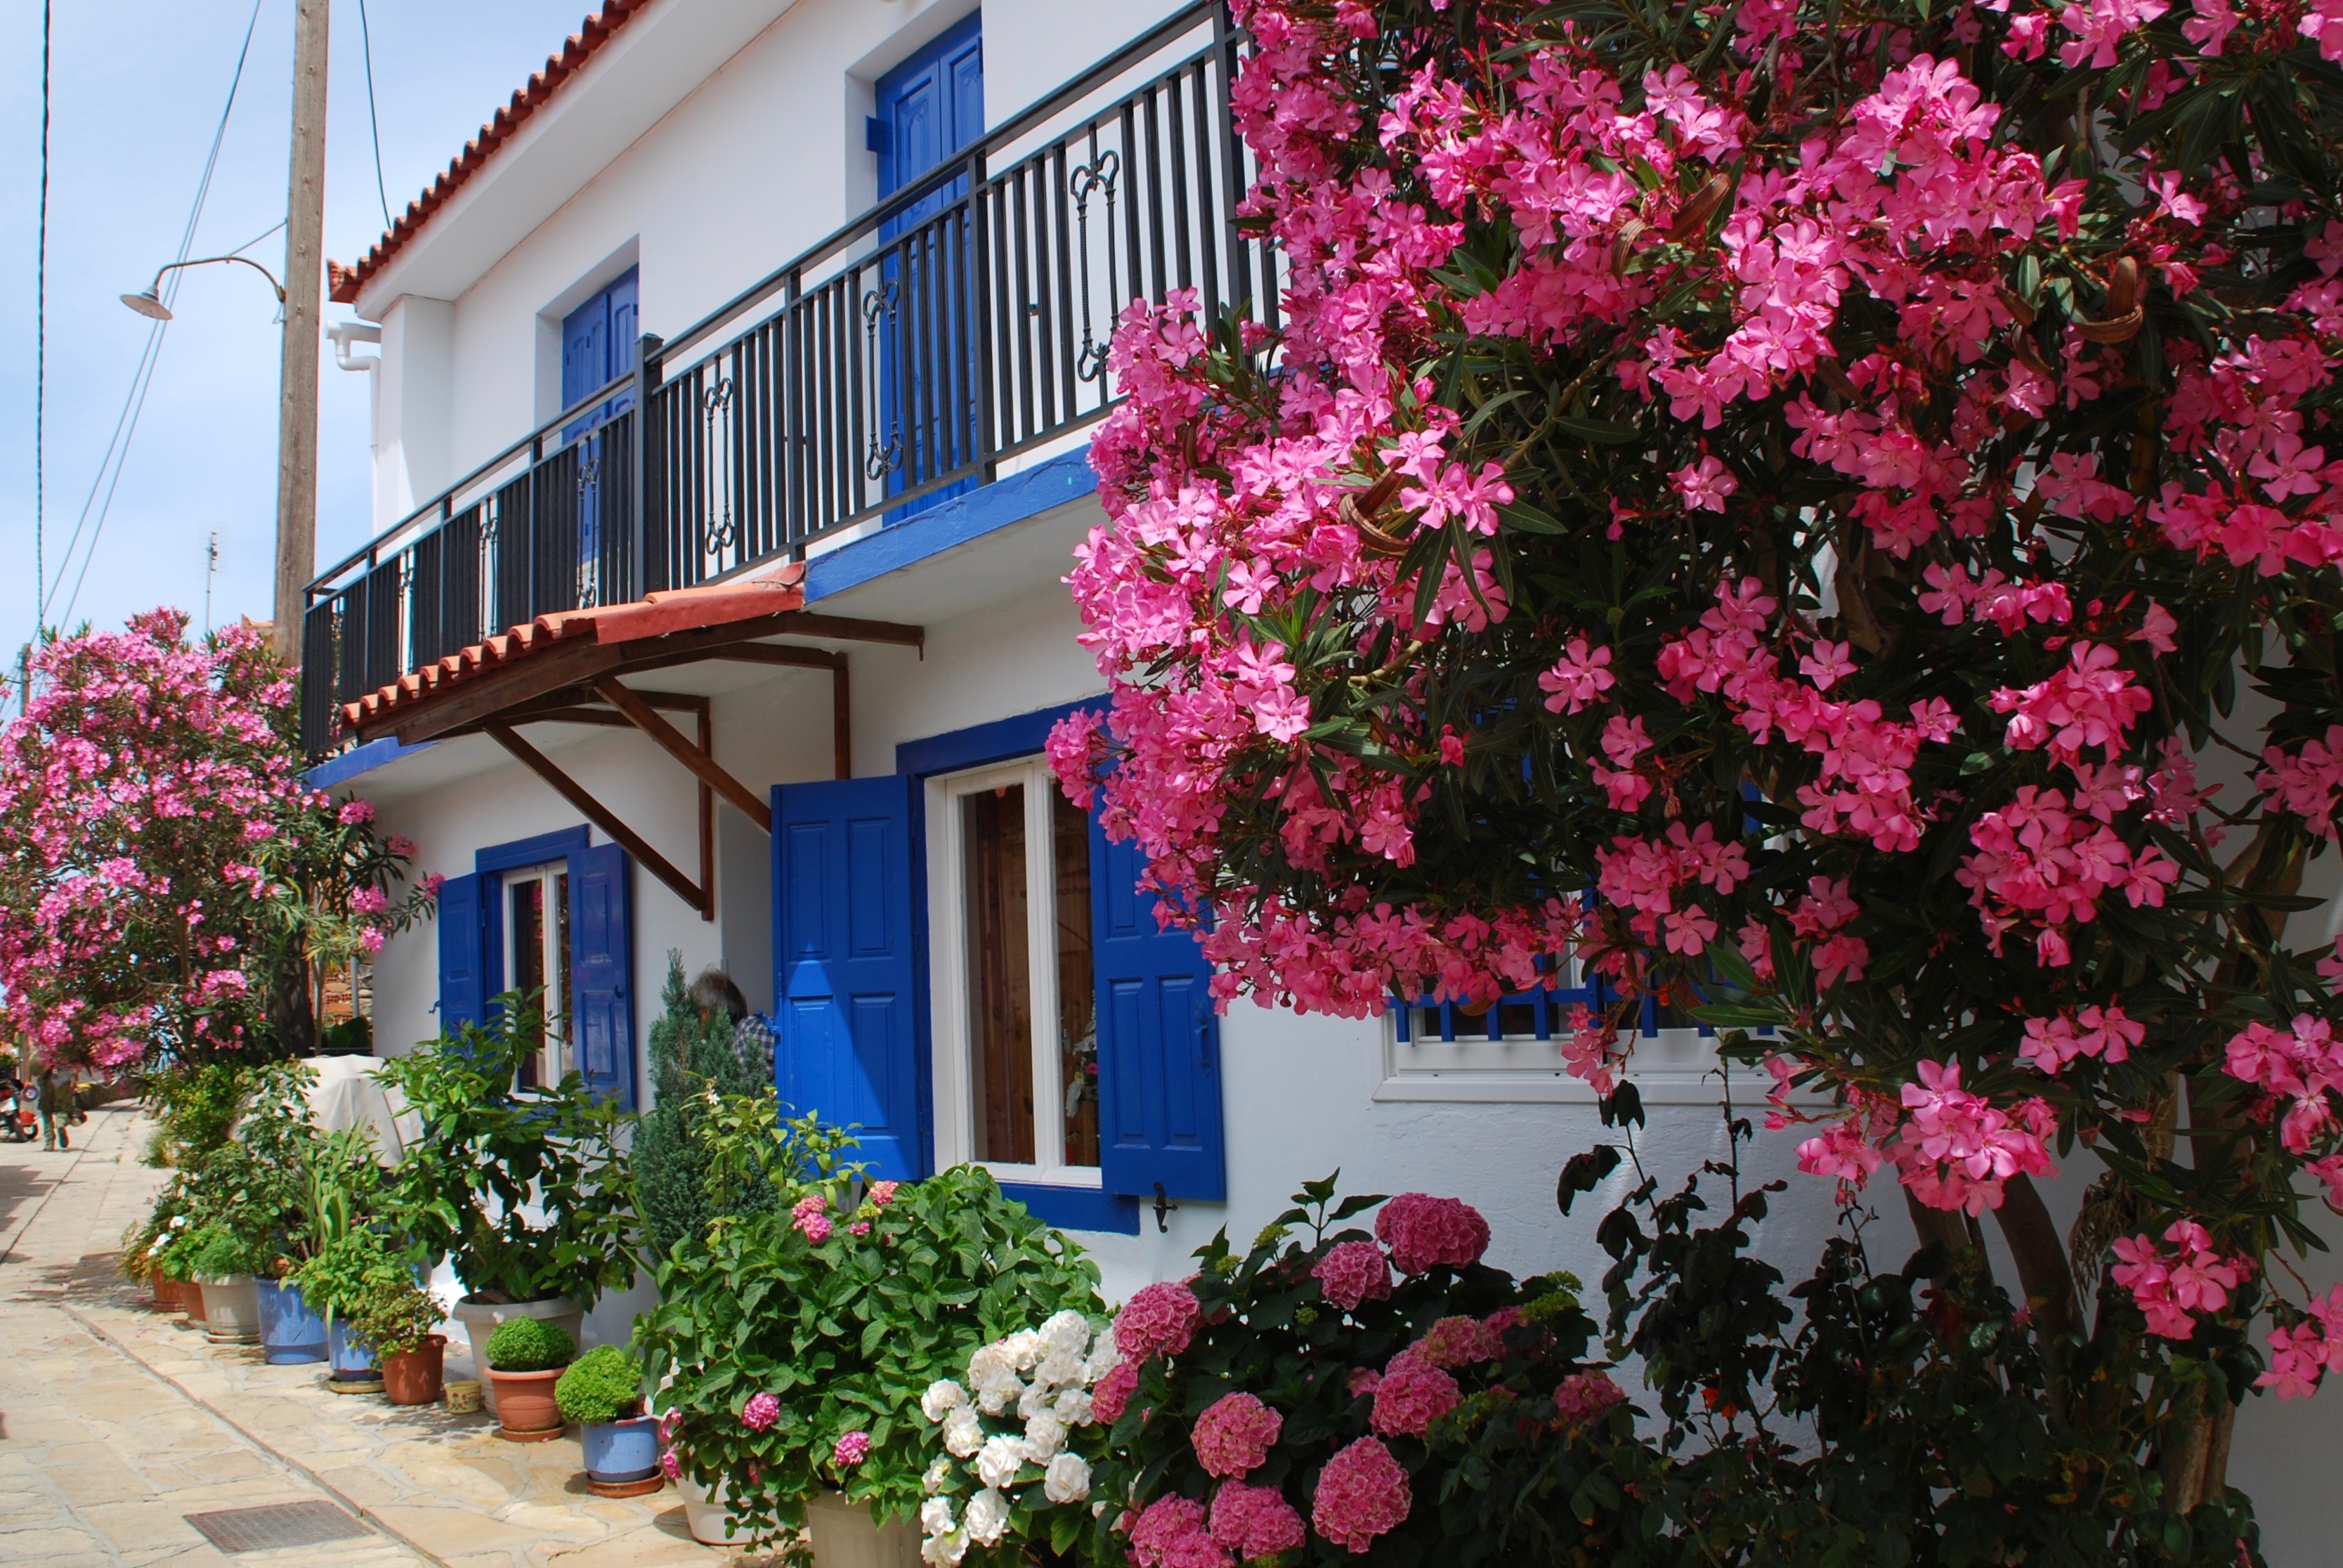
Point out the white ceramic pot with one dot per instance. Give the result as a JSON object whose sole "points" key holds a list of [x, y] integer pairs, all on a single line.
{"points": [[844, 1537], [707, 1516], [480, 1320], [232, 1311]]}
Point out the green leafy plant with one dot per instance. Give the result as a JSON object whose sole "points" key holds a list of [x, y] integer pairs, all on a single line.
{"points": [[602, 1385], [528, 1344], [342, 1276], [693, 1059], [528, 1189], [392, 1314], [217, 1251], [194, 1105], [792, 1346]]}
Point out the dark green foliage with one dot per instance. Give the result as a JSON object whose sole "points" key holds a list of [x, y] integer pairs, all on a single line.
{"points": [[528, 1344], [692, 1052], [602, 1385]]}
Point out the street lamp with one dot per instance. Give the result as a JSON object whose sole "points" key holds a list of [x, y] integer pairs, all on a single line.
{"points": [[150, 304]]}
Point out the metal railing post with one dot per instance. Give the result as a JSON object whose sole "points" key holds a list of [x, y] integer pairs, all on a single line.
{"points": [[648, 369], [979, 305]]}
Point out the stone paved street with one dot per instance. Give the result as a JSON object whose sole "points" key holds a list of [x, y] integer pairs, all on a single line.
{"points": [[118, 1421]]}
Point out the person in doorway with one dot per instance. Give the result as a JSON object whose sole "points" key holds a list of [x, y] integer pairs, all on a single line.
{"points": [[752, 1037], [55, 1102]]}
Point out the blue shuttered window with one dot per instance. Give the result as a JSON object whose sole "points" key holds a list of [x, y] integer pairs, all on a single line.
{"points": [[848, 953], [1159, 1040], [463, 954], [601, 963]]}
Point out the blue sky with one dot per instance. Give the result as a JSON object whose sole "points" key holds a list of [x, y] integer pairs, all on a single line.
{"points": [[136, 92]]}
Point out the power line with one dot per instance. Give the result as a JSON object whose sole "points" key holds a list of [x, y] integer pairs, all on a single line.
{"points": [[365, 43], [126, 424]]}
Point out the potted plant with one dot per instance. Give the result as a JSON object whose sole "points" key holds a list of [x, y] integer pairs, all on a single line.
{"points": [[526, 1357], [222, 1260], [527, 1191], [791, 1346], [341, 1181], [339, 1280], [396, 1320], [602, 1394]]}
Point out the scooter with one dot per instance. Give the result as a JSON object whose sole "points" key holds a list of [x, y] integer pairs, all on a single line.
{"points": [[18, 1122]]}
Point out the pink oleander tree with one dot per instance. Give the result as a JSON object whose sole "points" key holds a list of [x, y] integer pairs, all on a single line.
{"points": [[1771, 506], [168, 885]]}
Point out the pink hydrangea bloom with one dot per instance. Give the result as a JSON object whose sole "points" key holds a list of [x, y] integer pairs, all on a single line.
{"points": [[1255, 1522], [1351, 1272], [1584, 1396], [1365, 1381], [1412, 1394], [1158, 1321], [883, 1192], [850, 1450], [1234, 1434], [1363, 1493], [671, 1466], [1457, 1343], [1424, 1231], [1113, 1392], [810, 1215], [763, 1409], [1169, 1532]]}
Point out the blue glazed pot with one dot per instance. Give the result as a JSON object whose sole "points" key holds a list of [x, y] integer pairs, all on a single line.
{"points": [[622, 1449], [290, 1334], [352, 1363]]}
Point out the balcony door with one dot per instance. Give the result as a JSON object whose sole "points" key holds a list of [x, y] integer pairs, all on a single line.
{"points": [[931, 109], [597, 347]]}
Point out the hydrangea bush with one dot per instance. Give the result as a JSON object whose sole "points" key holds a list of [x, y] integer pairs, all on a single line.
{"points": [[1778, 509], [792, 1345], [168, 886]]}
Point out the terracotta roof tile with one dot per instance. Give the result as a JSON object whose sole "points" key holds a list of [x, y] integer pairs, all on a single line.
{"points": [[342, 283]]}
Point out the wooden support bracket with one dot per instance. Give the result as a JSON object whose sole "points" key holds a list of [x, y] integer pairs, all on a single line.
{"points": [[602, 817], [645, 718]]}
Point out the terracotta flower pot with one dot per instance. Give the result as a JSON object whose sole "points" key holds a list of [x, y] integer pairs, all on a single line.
{"points": [[191, 1301], [166, 1293], [525, 1408], [412, 1377], [480, 1319]]}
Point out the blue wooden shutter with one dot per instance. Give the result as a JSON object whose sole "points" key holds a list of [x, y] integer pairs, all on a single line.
{"points": [[846, 955], [1159, 1040], [601, 971], [463, 992]]}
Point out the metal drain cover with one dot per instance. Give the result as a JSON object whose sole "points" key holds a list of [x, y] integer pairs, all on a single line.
{"points": [[279, 1524]]}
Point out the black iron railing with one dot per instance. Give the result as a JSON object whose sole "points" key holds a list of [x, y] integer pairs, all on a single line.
{"points": [[960, 325]]}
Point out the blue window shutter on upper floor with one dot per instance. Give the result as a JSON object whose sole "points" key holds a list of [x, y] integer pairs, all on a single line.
{"points": [[463, 952], [1159, 1040], [846, 953], [601, 971]]}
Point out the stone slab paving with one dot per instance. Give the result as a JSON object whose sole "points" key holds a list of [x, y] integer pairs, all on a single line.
{"points": [[119, 1420]]}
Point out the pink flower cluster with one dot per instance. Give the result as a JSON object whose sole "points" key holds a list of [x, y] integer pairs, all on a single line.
{"points": [[1585, 1397], [2303, 1353], [1362, 1494], [1172, 1533], [1158, 1321], [1427, 1232], [2104, 1033], [2302, 1066], [1351, 1272], [810, 1215], [1112, 1396], [763, 1409], [1254, 1522], [2307, 781], [2041, 861], [1954, 1150], [1234, 1434], [1411, 1396], [2183, 1276], [850, 1450], [1458, 1342]]}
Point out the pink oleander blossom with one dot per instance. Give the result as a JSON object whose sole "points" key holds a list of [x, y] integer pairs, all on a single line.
{"points": [[2173, 1282], [1351, 1272], [1426, 1232], [1362, 1494], [1234, 1434]]}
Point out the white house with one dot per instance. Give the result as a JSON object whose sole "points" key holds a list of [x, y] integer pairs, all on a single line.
{"points": [[730, 447]]}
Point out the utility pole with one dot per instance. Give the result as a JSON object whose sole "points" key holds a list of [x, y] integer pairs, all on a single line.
{"points": [[211, 566], [305, 242]]}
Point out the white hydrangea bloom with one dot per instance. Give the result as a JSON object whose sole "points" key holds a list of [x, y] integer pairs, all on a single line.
{"points": [[943, 1397], [1034, 1401], [989, 1365], [992, 1398], [1105, 1357], [944, 1551], [999, 1459], [937, 1475], [935, 1517], [1067, 1334], [964, 1434], [1045, 1434], [1068, 1478], [1022, 1347], [988, 1516], [1058, 1369], [1073, 1407]]}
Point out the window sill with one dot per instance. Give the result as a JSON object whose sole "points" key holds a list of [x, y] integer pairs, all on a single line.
{"points": [[1076, 1208]]}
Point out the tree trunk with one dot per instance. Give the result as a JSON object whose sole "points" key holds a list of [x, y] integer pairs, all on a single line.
{"points": [[2042, 1274], [1946, 1225], [292, 1020]]}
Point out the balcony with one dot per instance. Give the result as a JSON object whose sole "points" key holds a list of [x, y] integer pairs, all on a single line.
{"points": [[959, 327]]}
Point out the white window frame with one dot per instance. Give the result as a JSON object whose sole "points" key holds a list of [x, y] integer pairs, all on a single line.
{"points": [[552, 1061], [1674, 1066], [948, 978]]}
